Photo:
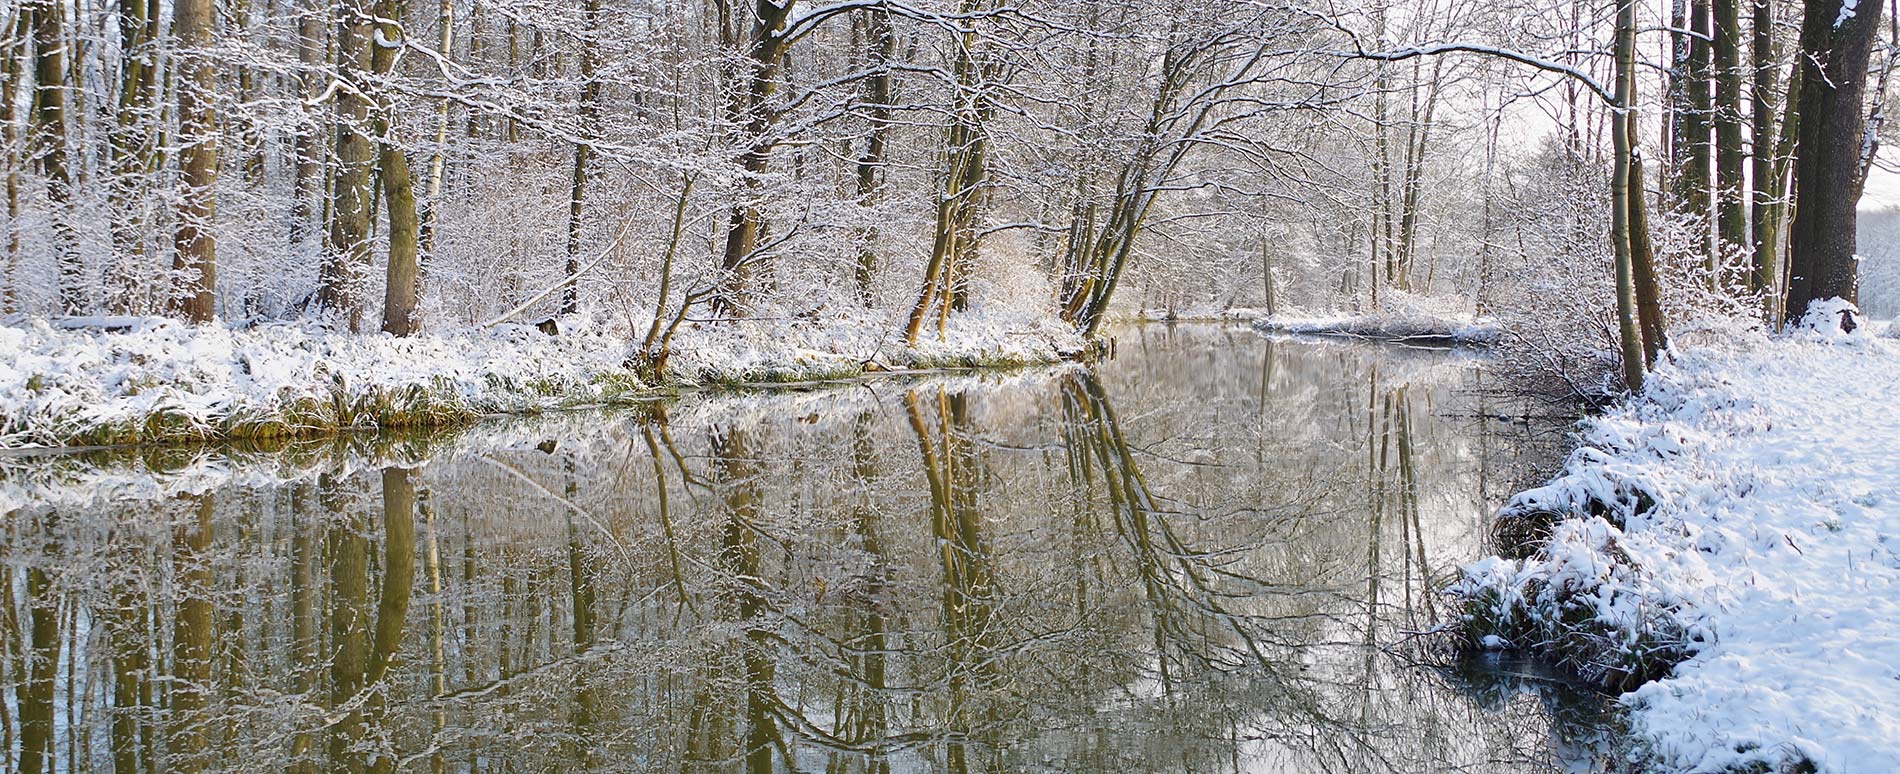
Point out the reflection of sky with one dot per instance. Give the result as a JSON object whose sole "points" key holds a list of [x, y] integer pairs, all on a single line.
{"points": [[1883, 185]]}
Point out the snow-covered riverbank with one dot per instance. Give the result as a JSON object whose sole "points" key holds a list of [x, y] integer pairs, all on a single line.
{"points": [[157, 380], [1742, 518], [1425, 330]]}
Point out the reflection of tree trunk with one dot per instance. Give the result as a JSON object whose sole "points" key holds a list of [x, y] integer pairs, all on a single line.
{"points": [[739, 559], [968, 582], [866, 718], [580, 588], [664, 504], [34, 694], [392, 604], [348, 555], [306, 560], [432, 565], [129, 639], [191, 644], [361, 659]]}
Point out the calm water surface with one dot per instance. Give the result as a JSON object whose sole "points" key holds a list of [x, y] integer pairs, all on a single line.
{"points": [[1206, 554]]}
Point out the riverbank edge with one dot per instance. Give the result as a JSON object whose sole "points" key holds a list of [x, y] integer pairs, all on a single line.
{"points": [[1604, 573], [329, 399], [1477, 333]]}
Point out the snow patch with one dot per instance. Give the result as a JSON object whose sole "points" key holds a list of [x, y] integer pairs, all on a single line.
{"points": [[1740, 520]]}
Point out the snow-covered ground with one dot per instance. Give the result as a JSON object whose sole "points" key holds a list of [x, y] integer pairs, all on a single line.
{"points": [[146, 379], [1742, 516], [1401, 318]]}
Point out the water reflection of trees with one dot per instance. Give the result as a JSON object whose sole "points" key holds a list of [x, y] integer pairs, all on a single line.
{"points": [[953, 576]]}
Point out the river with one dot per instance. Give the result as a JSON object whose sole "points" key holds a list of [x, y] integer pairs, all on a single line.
{"points": [[1212, 551]]}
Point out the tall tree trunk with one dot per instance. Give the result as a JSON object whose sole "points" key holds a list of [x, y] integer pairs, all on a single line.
{"points": [[19, 30], [1620, 197], [1418, 139], [1835, 47], [882, 44], [399, 286], [583, 151], [750, 84], [432, 197], [1731, 216], [340, 278], [1766, 274], [1694, 175], [49, 142], [1648, 289], [312, 49], [196, 246], [133, 152]]}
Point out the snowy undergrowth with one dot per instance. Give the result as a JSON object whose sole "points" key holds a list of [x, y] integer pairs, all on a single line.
{"points": [[160, 381], [1401, 318], [1727, 548]]}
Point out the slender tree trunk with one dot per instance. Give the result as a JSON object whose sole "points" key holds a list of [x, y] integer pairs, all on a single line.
{"points": [[195, 258], [1418, 139], [307, 198], [191, 644], [49, 142], [133, 152], [1835, 48], [583, 151], [1766, 275], [1731, 217], [432, 197], [19, 32], [399, 287], [877, 93], [1620, 197], [1648, 288], [1698, 152]]}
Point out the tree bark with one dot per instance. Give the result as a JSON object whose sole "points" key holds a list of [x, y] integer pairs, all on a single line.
{"points": [[49, 142], [583, 152], [877, 95], [134, 155], [1694, 175], [1835, 47], [1766, 275], [399, 286], [1648, 288], [1731, 215], [751, 84], [1620, 197], [196, 248], [348, 255], [19, 32], [312, 49]]}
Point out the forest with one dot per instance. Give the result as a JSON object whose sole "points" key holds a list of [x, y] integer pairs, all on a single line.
{"points": [[637, 166], [949, 386]]}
